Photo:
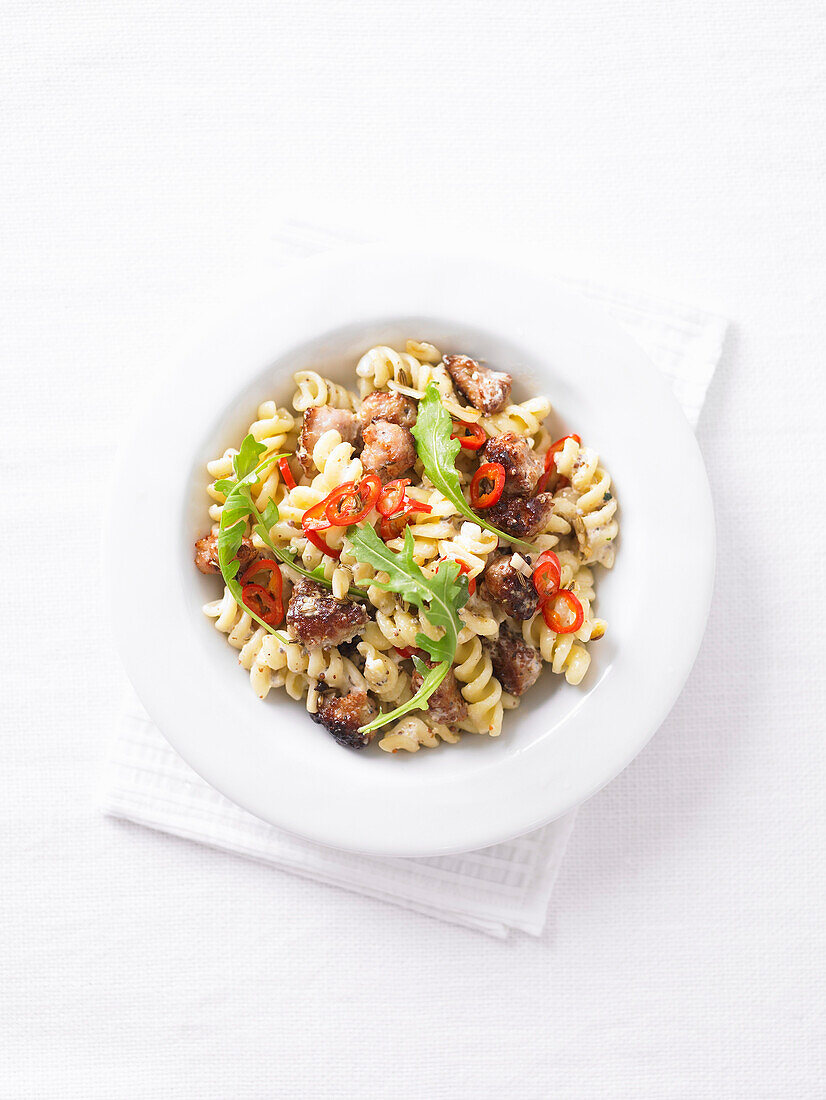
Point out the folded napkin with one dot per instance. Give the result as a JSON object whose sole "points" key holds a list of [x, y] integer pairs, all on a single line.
{"points": [[494, 890]]}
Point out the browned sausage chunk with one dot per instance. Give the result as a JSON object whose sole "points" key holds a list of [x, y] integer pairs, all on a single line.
{"points": [[316, 618], [394, 407], [522, 467], [318, 420], [516, 664], [389, 450], [446, 704], [484, 388], [521, 518], [510, 587], [343, 715], [206, 553]]}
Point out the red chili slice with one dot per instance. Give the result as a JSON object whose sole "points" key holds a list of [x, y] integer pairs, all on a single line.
{"points": [[463, 568], [286, 472], [546, 575], [563, 612], [272, 610], [351, 503], [392, 496], [493, 472], [408, 651], [265, 565], [550, 465], [471, 436], [354, 503], [314, 520]]}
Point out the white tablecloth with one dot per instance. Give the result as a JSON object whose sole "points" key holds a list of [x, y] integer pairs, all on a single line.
{"points": [[147, 152]]}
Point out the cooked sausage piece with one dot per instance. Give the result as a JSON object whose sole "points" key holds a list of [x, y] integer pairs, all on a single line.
{"points": [[319, 419], [206, 553], [522, 467], [519, 517], [510, 587], [394, 407], [516, 664], [343, 715], [486, 389], [316, 618], [446, 704], [389, 449]]}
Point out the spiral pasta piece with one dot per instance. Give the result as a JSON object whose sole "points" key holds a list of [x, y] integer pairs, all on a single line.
{"points": [[411, 733], [479, 619], [381, 364], [272, 426], [524, 418], [334, 459], [429, 529], [470, 547], [313, 390], [401, 626], [482, 691], [385, 677], [424, 352]]}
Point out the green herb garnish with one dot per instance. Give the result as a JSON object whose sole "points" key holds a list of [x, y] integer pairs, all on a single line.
{"points": [[239, 507], [440, 597], [438, 451]]}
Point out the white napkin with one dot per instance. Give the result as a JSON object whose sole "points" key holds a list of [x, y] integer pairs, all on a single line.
{"points": [[493, 890]]}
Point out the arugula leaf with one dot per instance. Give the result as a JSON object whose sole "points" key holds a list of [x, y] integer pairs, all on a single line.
{"points": [[440, 598], [438, 453], [247, 458]]}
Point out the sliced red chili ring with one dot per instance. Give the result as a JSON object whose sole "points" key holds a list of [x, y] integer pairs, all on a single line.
{"points": [[286, 472], [392, 496], [408, 651], [352, 503], [317, 515], [272, 609], [314, 520], [554, 612], [471, 436], [267, 564], [494, 473], [546, 575], [463, 568]]}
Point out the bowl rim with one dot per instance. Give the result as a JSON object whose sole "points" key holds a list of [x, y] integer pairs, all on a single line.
{"points": [[362, 287]]}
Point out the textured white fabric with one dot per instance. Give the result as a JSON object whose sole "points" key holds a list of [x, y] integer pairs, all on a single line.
{"points": [[499, 888], [148, 152]]}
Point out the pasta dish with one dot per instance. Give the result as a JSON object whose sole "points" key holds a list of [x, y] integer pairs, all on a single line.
{"points": [[408, 555]]}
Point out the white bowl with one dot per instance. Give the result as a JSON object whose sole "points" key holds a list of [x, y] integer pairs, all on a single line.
{"points": [[564, 742]]}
